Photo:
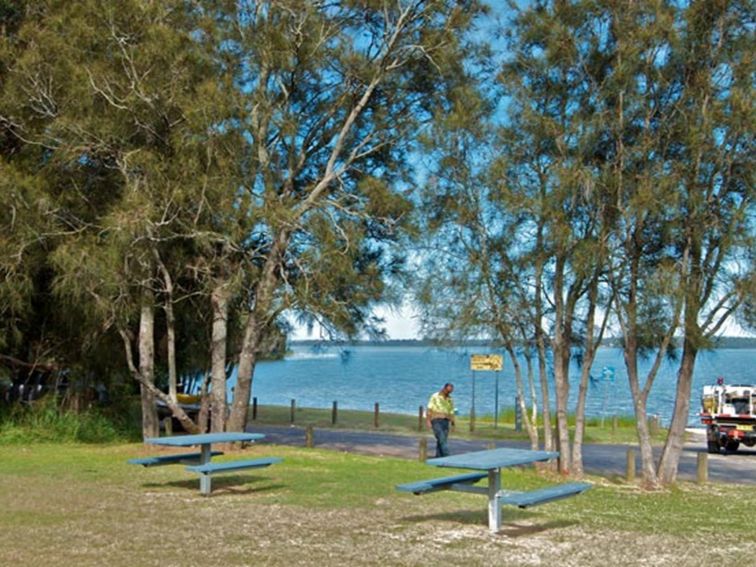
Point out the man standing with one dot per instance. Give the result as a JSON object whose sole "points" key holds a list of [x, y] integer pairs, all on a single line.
{"points": [[440, 415]]}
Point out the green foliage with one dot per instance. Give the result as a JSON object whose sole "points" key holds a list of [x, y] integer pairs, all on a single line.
{"points": [[211, 140], [107, 145], [618, 182], [45, 422]]}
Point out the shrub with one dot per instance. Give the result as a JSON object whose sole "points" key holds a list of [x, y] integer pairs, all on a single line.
{"points": [[45, 421]]}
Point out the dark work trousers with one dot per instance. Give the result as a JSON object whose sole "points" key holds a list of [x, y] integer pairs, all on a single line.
{"points": [[441, 432]]}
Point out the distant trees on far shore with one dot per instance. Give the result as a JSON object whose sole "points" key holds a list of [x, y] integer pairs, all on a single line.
{"points": [[612, 342]]}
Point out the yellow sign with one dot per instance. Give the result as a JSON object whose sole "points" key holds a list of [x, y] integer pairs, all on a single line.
{"points": [[486, 362]]}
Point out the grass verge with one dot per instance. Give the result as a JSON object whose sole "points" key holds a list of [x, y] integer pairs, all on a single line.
{"points": [[83, 505]]}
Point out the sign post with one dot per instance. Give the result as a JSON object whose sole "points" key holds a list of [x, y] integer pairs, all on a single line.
{"points": [[607, 375], [496, 402], [472, 405], [485, 363], [518, 414]]}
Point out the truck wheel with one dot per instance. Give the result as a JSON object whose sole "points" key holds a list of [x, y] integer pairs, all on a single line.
{"points": [[732, 446], [714, 447]]}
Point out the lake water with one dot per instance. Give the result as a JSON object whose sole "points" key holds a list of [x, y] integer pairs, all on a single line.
{"points": [[401, 378]]}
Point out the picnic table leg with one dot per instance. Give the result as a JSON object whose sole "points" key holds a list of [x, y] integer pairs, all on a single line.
{"points": [[494, 510], [205, 477]]}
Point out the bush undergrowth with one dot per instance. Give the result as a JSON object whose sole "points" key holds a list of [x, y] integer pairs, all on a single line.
{"points": [[45, 421]]}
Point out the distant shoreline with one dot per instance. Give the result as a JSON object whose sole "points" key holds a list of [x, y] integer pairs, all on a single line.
{"points": [[722, 343]]}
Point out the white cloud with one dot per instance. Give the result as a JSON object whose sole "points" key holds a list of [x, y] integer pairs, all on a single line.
{"points": [[400, 323]]}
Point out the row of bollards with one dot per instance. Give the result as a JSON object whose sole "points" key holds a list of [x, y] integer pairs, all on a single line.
{"points": [[654, 421], [702, 467], [335, 413], [423, 443]]}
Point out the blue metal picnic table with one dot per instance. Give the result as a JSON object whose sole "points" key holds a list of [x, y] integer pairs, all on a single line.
{"points": [[492, 461], [205, 441]]}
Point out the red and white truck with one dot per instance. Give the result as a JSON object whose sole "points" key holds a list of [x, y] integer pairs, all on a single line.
{"points": [[729, 413]]}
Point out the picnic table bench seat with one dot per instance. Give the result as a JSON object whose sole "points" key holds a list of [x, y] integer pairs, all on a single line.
{"points": [[434, 484], [542, 495], [158, 460], [209, 468]]}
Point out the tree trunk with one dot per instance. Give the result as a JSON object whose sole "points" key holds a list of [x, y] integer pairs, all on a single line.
{"points": [[203, 416], [170, 320], [259, 318], [673, 447], [562, 354], [150, 422], [144, 374], [590, 346], [543, 377], [219, 299], [533, 395], [529, 425], [237, 420], [560, 345], [692, 277], [171, 332], [577, 444], [648, 467]]}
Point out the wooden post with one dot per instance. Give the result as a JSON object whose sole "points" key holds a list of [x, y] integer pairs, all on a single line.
{"points": [[309, 437], [254, 409], [334, 412], [702, 469], [653, 425], [168, 426], [420, 418], [293, 410], [423, 450], [630, 465], [376, 414], [615, 424]]}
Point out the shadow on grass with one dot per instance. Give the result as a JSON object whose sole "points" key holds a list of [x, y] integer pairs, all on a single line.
{"points": [[510, 526], [227, 484], [514, 530]]}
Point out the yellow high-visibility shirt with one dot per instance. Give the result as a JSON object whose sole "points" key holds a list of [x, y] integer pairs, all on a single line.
{"points": [[440, 407]]}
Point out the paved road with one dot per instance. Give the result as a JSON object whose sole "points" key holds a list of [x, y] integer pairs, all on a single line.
{"points": [[604, 460]]}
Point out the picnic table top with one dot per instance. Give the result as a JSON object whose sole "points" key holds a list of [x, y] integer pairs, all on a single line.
{"points": [[204, 439], [493, 459]]}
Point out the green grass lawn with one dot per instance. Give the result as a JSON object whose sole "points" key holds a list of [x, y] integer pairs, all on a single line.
{"points": [[72, 504]]}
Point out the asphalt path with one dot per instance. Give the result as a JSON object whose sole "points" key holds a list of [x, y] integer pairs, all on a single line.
{"points": [[602, 460]]}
